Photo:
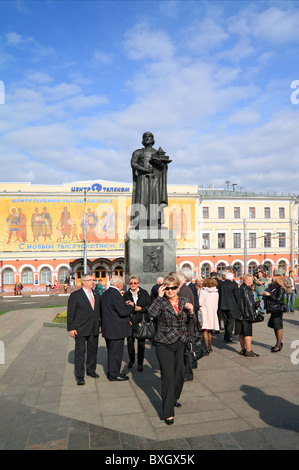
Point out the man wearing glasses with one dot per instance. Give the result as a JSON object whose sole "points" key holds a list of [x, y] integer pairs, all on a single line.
{"points": [[83, 324]]}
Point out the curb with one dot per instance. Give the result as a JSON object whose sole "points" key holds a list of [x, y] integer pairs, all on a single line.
{"points": [[52, 324]]}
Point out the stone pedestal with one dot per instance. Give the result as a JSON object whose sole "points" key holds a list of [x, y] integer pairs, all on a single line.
{"points": [[149, 254]]}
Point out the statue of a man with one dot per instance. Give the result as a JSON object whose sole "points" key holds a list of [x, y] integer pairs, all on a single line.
{"points": [[149, 196]]}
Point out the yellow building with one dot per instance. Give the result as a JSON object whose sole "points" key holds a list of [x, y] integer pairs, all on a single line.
{"points": [[48, 232]]}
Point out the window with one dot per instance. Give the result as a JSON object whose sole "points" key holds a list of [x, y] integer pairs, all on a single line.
{"points": [[252, 267], [281, 212], [205, 270], [252, 212], [205, 212], [80, 272], [282, 266], [252, 240], [267, 213], [63, 273], [267, 240], [221, 240], [100, 272], [119, 271], [221, 267], [237, 213], [205, 241], [220, 212], [45, 275], [8, 276], [27, 276], [237, 267], [281, 239], [237, 240]]}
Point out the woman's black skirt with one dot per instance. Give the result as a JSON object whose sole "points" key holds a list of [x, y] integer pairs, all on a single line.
{"points": [[275, 321], [243, 327]]}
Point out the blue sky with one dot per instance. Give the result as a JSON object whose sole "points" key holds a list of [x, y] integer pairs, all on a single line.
{"points": [[211, 79]]}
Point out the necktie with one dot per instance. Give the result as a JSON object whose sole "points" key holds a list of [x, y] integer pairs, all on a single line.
{"points": [[91, 298]]}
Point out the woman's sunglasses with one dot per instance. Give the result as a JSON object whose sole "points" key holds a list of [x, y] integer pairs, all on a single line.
{"points": [[171, 287]]}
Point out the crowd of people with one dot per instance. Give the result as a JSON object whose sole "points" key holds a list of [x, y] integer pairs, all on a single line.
{"points": [[180, 309]]}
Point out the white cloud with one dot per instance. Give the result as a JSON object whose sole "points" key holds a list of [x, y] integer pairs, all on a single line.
{"points": [[142, 43]]}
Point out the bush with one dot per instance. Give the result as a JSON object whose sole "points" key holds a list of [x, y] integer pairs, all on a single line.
{"points": [[60, 317]]}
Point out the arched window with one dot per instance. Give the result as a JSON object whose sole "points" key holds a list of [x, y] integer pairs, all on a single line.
{"points": [[252, 267], [237, 269], [45, 275], [282, 266], [206, 270], [119, 271], [100, 272], [8, 276], [221, 267], [268, 267], [63, 273], [27, 276]]}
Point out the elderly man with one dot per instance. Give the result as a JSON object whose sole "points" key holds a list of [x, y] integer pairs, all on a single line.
{"points": [[83, 324], [115, 312], [229, 304]]}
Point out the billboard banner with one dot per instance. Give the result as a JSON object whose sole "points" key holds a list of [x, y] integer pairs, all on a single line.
{"points": [[45, 223]]}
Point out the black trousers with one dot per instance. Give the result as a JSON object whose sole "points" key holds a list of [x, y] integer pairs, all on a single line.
{"points": [[81, 344], [171, 360], [140, 349], [229, 323], [115, 349]]}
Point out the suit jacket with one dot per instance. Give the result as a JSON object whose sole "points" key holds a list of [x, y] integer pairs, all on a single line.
{"points": [[170, 326], [192, 287], [229, 295], [81, 316], [143, 301], [115, 315]]}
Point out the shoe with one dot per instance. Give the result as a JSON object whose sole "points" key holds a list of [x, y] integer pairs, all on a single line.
{"points": [[80, 382], [94, 375], [178, 404], [250, 354], [120, 378], [277, 348], [293, 311], [242, 352], [169, 421], [187, 379], [130, 365], [229, 340], [140, 368]]}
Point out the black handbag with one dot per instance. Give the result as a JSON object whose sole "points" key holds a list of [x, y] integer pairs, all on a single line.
{"points": [[195, 349], [144, 330], [258, 317]]}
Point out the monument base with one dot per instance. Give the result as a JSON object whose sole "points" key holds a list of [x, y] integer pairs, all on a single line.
{"points": [[149, 254]]}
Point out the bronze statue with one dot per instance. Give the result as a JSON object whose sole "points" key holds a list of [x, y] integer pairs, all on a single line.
{"points": [[149, 196]]}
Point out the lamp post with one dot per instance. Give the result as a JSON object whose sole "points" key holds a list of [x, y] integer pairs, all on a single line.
{"points": [[84, 235]]}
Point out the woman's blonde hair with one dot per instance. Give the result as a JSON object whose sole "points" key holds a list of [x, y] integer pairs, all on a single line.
{"points": [[172, 279], [278, 279], [246, 276]]}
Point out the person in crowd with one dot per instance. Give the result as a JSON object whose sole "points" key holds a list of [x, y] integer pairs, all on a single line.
{"points": [[275, 306], [243, 324], [155, 288], [188, 276], [290, 284], [198, 283], [208, 302], [214, 275], [141, 299], [172, 313], [100, 288], [83, 324], [229, 304], [186, 292], [115, 314], [259, 282]]}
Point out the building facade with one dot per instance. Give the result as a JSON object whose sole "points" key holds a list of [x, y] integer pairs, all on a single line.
{"points": [[50, 233]]}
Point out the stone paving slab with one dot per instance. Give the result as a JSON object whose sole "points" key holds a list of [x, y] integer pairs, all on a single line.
{"points": [[233, 403]]}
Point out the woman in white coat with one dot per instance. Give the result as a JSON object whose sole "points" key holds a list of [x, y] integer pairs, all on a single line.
{"points": [[208, 301]]}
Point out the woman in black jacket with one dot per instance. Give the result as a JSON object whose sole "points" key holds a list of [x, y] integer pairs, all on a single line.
{"points": [[243, 325], [275, 305], [141, 300]]}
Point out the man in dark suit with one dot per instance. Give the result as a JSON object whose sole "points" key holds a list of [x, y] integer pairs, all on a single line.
{"points": [[116, 326], [229, 304], [83, 324]]}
